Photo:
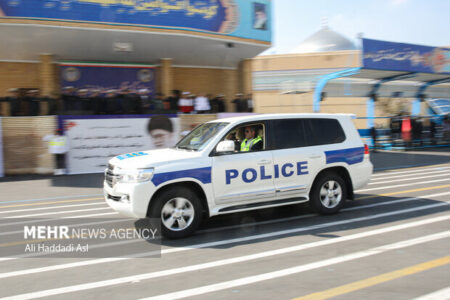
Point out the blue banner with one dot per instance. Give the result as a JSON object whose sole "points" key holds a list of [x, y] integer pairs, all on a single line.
{"points": [[381, 55], [240, 18], [108, 77]]}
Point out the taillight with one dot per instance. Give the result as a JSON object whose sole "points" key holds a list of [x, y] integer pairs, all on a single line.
{"points": [[366, 149]]}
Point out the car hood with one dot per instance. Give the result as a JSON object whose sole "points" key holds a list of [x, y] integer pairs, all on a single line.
{"points": [[151, 158]]}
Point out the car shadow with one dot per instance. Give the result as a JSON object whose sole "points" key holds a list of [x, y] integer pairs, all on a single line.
{"points": [[268, 222]]}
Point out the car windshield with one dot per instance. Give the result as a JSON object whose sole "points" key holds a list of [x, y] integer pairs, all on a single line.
{"points": [[198, 138]]}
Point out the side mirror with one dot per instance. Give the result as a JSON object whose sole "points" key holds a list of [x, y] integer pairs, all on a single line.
{"points": [[225, 146]]}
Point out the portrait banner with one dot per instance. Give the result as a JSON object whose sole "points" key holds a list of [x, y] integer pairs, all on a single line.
{"points": [[93, 140]]}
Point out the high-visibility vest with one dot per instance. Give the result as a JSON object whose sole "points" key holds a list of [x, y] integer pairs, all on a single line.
{"points": [[245, 147]]}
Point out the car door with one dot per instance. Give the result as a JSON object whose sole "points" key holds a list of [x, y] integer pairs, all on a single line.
{"points": [[243, 176], [294, 162]]}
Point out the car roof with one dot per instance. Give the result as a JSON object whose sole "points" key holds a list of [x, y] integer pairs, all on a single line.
{"points": [[261, 117]]}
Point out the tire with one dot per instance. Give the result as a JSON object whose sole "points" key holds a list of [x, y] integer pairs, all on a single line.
{"points": [[328, 194], [180, 211]]}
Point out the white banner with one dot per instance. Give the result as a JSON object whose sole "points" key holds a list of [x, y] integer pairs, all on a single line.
{"points": [[1, 150], [92, 142]]}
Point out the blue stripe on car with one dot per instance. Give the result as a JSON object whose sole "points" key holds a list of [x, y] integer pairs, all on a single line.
{"points": [[350, 156], [201, 174]]}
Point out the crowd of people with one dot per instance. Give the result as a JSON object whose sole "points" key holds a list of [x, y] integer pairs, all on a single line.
{"points": [[413, 131], [75, 101]]}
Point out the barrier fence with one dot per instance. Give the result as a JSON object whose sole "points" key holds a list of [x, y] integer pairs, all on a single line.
{"points": [[407, 132], [92, 140]]}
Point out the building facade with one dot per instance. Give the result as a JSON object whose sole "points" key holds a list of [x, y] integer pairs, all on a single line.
{"points": [[195, 46]]}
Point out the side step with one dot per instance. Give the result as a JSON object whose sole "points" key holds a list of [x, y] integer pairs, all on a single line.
{"points": [[260, 204]]}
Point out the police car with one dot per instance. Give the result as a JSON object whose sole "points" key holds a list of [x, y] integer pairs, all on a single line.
{"points": [[239, 164]]}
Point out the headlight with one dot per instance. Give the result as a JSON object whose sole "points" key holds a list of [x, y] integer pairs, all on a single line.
{"points": [[134, 175]]}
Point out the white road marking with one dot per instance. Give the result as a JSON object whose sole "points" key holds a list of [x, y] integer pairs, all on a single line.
{"points": [[232, 283], [57, 212], [252, 224], [410, 179], [50, 207], [443, 294], [418, 170], [92, 215], [52, 198], [410, 175], [285, 272], [46, 220], [400, 185], [238, 240]]}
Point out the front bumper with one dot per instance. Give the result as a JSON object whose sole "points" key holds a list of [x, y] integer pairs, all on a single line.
{"points": [[139, 195]]}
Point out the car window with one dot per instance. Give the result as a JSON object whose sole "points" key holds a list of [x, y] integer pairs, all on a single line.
{"points": [[245, 140], [288, 133], [323, 132], [294, 133], [198, 138]]}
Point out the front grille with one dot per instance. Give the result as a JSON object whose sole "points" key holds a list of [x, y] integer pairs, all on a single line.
{"points": [[110, 178]]}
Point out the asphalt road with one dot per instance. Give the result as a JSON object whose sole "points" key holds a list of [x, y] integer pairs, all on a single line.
{"points": [[391, 243]]}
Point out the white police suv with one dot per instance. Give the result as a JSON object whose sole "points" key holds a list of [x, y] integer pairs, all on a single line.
{"points": [[238, 164]]}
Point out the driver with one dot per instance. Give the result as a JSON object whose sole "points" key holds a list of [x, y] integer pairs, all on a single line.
{"points": [[252, 142]]}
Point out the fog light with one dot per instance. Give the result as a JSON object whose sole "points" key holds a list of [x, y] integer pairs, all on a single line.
{"points": [[125, 199]]}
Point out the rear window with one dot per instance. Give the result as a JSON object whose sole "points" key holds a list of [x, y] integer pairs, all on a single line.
{"points": [[323, 132], [294, 133]]}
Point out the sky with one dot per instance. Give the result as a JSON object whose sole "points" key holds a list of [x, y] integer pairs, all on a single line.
{"points": [[425, 22]]}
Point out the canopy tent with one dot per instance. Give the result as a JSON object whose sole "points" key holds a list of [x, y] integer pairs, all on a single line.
{"points": [[439, 106], [390, 70]]}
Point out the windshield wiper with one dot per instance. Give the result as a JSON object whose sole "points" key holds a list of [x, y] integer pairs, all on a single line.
{"points": [[184, 148]]}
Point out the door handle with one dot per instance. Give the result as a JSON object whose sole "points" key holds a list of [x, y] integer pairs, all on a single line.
{"points": [[264, 162], [315, 156]]}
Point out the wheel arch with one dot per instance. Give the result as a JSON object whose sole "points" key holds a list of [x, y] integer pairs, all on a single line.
{"points": [[343, 172], [196, 187]]}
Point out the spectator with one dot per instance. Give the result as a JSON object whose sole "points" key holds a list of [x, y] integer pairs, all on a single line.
{"points": [[33, 102], [373, 133], [145, 100], [395, 125], [222, 103], [84, 102], [433, 131], [158, 102], [218, 104], [66, 97], [111, 103], [446, 128], [416, 129], [202, 105], [249, 102], [406, 131], [14, 101], [132, 103], [171, 103], [58, 145], [97, 102], [238, 103], [186, 104]]}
